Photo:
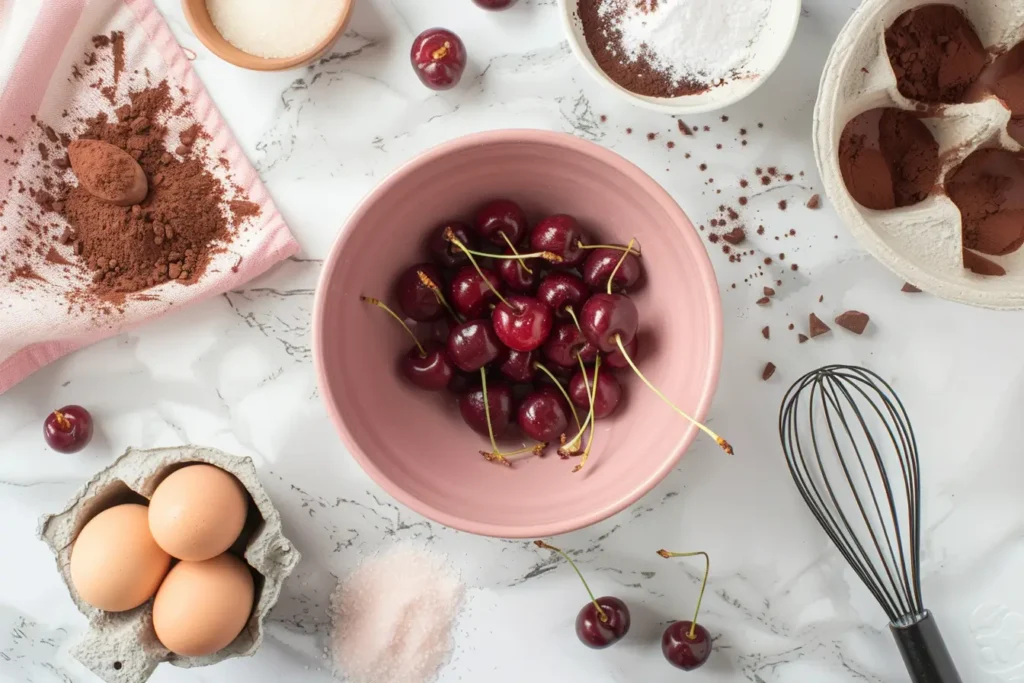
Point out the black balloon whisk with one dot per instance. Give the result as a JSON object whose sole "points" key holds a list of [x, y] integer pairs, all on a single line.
{"points": [[852, 453]]}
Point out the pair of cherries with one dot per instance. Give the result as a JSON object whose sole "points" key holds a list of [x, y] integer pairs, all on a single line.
{"points": [[439, 56], [604, 621]]}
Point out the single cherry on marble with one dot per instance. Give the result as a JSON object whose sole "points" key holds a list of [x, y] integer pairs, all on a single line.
{"points": [[686, 644], [602, 622], [439, 58], [69, 429]]}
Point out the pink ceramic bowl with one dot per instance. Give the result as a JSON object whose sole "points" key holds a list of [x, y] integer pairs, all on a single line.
{"points": [[415, 444]]}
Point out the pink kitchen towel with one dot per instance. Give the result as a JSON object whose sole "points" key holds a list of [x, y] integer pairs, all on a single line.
{"points": [[66, 70]]}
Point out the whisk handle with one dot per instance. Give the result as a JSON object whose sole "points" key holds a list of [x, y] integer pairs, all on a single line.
{"points": [[924, 652]]}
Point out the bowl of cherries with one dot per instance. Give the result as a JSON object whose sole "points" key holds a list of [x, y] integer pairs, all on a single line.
{"points": [[518, 334]]}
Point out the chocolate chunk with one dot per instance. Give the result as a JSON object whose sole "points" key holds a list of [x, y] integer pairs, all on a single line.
{"points": [[768, 291], [802, 338], [735, 236], [814, 202], [817, 326], [909, 288], [763, 301], [765, 332], [854, 321], [768, 371]]}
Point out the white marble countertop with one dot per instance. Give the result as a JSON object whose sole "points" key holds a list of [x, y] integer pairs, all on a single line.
{"points": [[781, 603]]}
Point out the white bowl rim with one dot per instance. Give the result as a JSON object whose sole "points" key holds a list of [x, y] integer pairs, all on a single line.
{"points": [[700, 412], [675, 105]]}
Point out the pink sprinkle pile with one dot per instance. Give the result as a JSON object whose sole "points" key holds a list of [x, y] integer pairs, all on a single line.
{"points": [[394, 616]]}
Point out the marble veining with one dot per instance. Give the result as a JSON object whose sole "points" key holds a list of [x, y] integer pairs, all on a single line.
{"points": [[236, 373]]}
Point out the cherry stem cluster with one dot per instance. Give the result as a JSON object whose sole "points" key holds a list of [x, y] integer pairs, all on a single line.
{"points": [[515, 252], [591, 416], [600, 612], [450, 236], [384, 307], [707, 570]]}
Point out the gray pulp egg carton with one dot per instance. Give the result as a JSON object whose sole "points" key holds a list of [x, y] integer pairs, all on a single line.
{"points": [[121, 647], [921, 243]]}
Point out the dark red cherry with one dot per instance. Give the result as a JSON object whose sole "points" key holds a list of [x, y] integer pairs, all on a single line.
{"points": [[560, 234], [609, 392], [565, 343], [518, 366], [515, 276], [600, 265], [439, 58], [682, 651], [495, 5], [415, 299], [68, 430], [432, 371], [443, 252], [469, 293], [473, 344], [560, 289], [499, 402], [598, 634], [501, 216], [543, 414], [523, 323], [616, 359], [607, 316]]}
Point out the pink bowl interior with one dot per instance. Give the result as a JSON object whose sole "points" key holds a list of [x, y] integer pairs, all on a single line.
{"points": [[413, 443]]}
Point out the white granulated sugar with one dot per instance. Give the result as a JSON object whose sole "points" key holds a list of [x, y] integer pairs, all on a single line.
{"points": [[689, 40], [275, 28], [394, 615]]}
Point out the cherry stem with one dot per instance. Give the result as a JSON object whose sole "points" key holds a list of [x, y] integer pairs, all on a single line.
{"points": [[600, 612], [592, 418], [450, 236], [719, 440], [707, 570], [62, 421], [432, 286], [627, 252], [497, 454], [572, 314], [558, 384], [522, 264], [384, 307], [617, 247], [536, 449]]}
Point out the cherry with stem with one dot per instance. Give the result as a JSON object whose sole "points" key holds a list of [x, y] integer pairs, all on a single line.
{"points": [[723, 444], [686, 644], [625, 253], [592, 416], [572, 447], [575, 415], [603, 621], [426, 365], [496, 455], [432, 286]]}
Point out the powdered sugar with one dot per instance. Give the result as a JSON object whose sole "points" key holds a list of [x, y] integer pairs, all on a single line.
{"points": [[394, 615], [696, 41], [275, 28]]}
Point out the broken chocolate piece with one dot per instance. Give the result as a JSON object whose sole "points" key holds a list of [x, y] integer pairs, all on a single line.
{"points": [[854, 321], [768, 291], [768, 371], [763, 301], [909, 288], [817, 326], [802, 338], [734, 236], [765, 332]]}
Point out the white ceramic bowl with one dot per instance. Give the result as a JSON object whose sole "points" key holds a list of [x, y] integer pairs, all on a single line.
{"points": [[921, 243], [770, 47]]}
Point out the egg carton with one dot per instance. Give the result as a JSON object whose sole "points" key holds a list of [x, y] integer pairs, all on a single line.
{"points": [[921, 243], [122, 647]]}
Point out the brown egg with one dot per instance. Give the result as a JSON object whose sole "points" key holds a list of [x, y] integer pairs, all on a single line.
{"points": [[197, 512], [115, 563], [108, 172], [202, 606]]}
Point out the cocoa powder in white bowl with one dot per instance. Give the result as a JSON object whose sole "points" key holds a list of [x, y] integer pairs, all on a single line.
{"points": [[681, 56]]}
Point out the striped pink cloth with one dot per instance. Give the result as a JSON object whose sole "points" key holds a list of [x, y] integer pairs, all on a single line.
{"points": [[36, 324]]}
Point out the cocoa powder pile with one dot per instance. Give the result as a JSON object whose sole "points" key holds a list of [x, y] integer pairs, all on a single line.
{"points": [[172, 233]]}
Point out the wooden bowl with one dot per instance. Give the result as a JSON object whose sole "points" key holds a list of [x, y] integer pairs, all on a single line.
{"points": [[202, 25]]}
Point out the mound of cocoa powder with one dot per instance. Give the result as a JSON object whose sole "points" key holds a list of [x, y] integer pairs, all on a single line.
{"points": [[935, 54], [888, 159]]}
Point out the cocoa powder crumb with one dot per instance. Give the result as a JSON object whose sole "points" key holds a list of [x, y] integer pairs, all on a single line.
{"points": [[783, 204]]}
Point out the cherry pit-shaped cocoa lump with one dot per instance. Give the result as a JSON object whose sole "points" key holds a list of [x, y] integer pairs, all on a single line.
{"points": [[108, 172]]}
